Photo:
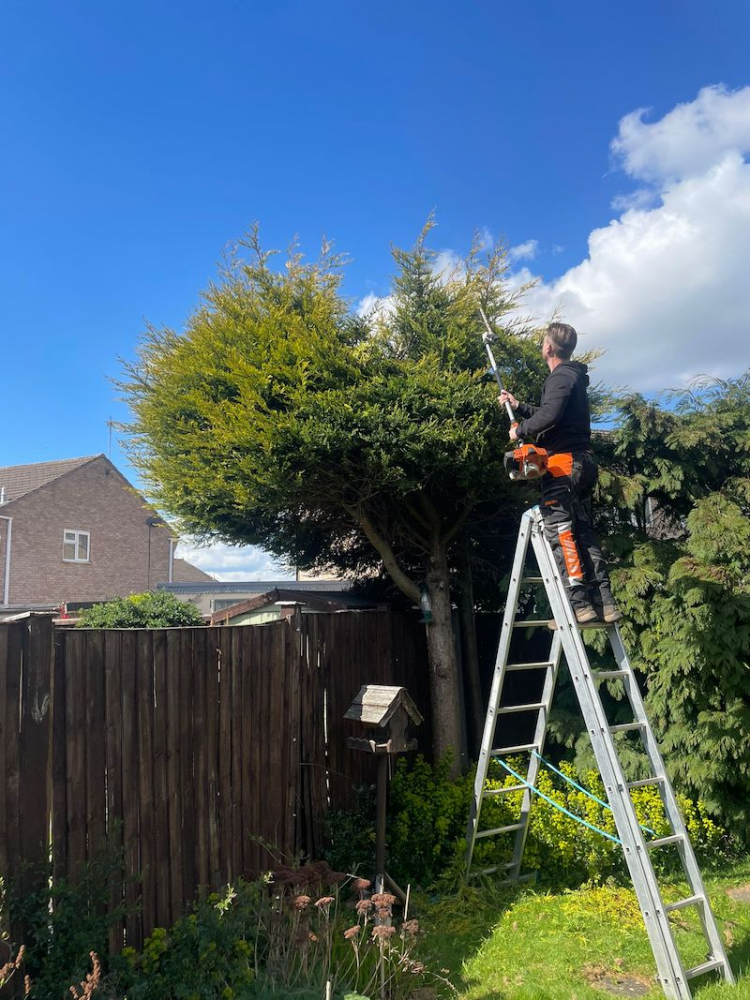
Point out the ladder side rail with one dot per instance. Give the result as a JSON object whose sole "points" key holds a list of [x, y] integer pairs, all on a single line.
{"points": [[540, 733], [498, 679], [671, 806], [671, 973]]}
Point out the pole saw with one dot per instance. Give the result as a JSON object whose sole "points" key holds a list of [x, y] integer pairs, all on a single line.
{"points": [[526, 461]]}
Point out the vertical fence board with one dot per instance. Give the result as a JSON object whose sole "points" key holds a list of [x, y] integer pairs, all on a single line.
{"points": [[75, 725], [250, 734], [173, 773], [161, 814], [130, 819], [113, 752], [12, 762], [200, 765], [212, 756], [225, 754], [292, 724], [95, 749], [237, 763], [36, 700], [187, 793], [145, 753]]}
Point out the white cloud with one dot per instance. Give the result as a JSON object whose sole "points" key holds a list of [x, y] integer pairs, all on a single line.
{"points": [[231, 562], [523, 251], [664, 287], [687, 141]]}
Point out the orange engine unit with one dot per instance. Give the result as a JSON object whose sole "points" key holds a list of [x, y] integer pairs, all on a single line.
{"points": [[529, 462]]}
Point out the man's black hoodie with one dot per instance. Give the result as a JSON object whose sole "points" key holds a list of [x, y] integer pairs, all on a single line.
{"points": [[562, 421]]}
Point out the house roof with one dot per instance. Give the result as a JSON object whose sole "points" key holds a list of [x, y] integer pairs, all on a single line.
{"points": [[18, 480]]}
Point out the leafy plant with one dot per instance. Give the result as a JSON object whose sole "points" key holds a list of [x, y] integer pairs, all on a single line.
{"points": [[64, 921], [288, 934], [152, 609], [205, 955]]}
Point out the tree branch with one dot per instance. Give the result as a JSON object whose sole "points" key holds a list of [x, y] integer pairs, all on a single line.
{"points": [[461, 521], [404, 583]]}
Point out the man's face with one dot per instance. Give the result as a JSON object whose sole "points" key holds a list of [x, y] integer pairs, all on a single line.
{"points": [[546, 346]]}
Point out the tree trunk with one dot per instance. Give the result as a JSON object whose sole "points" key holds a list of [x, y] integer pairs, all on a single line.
{"points": [[444, 687], [472, 686]]}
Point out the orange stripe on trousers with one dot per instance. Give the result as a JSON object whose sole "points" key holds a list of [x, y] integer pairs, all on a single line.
{"points": [[570, 554]]}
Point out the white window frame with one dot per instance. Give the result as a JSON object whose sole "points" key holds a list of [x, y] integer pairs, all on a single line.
{"points": [[77, 534]]}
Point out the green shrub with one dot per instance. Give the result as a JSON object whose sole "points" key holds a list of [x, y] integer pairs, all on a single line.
{"points": [[63, 922], [564, 850], [206, 955], [286, 935], [350, 834], [428, 813], [153, 609]]}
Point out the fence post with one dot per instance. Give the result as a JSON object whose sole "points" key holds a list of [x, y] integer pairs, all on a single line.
{"points": [[34, 756]]}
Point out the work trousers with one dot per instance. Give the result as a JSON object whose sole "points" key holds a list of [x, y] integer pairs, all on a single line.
{"points": [[566, 513]]}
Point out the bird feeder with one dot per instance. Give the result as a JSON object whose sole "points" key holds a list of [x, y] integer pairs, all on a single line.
{"points": [[386, 714]]}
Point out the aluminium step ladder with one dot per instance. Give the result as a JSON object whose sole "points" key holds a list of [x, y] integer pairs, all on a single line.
{"points": [[566, 638]]}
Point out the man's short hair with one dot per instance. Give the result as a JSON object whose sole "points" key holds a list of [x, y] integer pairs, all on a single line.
{"points": [[563, 339]]}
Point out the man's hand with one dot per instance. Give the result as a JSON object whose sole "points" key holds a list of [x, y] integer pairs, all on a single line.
{"points": [[513, 432], [508, 397]]}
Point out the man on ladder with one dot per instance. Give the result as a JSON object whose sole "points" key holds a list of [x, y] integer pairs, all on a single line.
{"points": [[562, 424]]}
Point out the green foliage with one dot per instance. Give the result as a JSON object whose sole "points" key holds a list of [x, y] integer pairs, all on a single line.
{"points": [[152, 609], [287, 934], [206, 955], [683, 581], [350, 834], [563, 850], [427, 812], [281, 419], [64, 921]]}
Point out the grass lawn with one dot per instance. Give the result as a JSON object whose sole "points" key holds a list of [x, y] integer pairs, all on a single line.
{"points": [[583, 945]]}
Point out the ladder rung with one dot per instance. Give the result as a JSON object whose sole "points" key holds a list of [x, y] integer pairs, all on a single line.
{"points": [[710, 966], [509, 709], [489, 792], [688, 901], [515, 881], [491, 871], [532, 623], [528, 666], [608, 675], [674, 838], [627, 727], [500, 829], [532, 579], [521, 748], [644, 782]]}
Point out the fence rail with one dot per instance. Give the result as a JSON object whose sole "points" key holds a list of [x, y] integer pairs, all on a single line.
{"points": [[189, 750]]}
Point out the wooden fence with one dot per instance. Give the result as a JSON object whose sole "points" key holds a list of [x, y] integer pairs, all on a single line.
{"points": [[188, 749]]}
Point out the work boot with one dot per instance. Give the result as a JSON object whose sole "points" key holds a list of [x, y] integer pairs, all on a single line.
{"points": [[585, 613], [611, 614]]}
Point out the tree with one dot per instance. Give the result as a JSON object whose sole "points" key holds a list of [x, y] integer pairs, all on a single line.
{"points": [[153, 609], [677, 488], [284, 420]]}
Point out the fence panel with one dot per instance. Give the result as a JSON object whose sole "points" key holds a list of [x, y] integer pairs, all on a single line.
{"points": [[186, 751]]}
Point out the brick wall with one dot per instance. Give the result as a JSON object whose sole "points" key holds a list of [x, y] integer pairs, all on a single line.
{"points": [[96, 498]]}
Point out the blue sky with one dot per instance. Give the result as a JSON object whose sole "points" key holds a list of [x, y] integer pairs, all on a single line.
{"points": [[140, 138]]}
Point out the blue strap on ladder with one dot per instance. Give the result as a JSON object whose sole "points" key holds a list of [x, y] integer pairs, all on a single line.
{"points": [[557, 805], [584, 790]]}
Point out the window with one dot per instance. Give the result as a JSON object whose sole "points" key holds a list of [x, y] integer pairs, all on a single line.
{"points": [[75, 546]]}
